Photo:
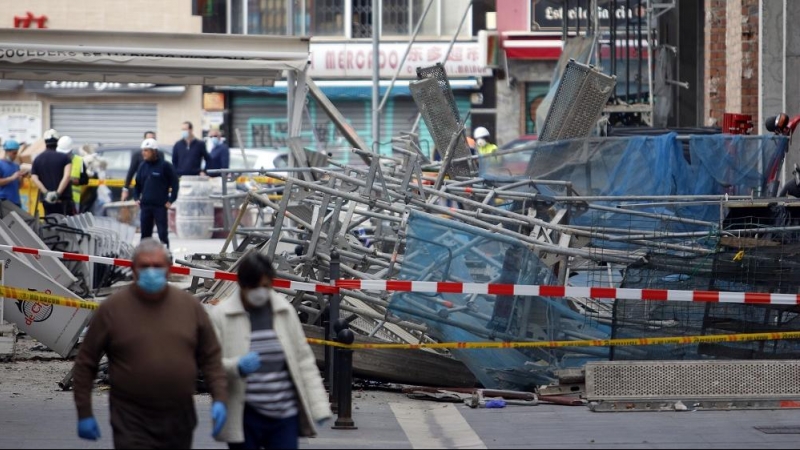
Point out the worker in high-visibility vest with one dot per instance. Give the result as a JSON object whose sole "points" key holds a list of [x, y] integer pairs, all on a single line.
{"points": [[483, 145], [78, 174]]}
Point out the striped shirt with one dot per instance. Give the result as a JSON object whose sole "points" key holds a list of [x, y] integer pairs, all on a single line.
{"points": [[270, 389]]}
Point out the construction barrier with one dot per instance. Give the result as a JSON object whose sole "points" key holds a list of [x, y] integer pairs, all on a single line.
{"points": [[756, 298], [44, 298], [683, 340]]}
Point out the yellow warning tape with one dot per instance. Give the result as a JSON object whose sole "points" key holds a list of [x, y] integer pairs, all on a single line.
{"points": [[259, 179], [120, 183], [583, 343], [41, 297], [34, 296], [110, 183]]}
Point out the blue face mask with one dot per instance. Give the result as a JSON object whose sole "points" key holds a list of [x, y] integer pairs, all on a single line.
{"points": [[185, 134], [152, 279], [214, 141]]}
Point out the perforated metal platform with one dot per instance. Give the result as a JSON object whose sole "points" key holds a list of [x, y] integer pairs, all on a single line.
{"points": [[442, 122], [582, 93], [676, 380]]}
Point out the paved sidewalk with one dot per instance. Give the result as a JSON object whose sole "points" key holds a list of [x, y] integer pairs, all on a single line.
{"points": [[389, 420]]}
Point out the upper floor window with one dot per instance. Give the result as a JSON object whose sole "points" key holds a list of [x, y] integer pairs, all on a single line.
{"points": [[350, 18]]}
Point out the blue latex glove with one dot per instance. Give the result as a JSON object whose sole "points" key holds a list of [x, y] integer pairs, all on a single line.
{"points": [[249, 363], [88, 429], [219, 413], [495, 404]]}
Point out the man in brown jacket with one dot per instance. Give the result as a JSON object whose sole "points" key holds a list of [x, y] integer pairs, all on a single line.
{"points": [[156, 337]]}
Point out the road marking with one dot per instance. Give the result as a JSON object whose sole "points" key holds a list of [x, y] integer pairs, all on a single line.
{"points": [[435, 426]]}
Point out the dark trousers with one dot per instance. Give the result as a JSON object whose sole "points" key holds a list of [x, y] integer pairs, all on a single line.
{"points": [[150, 215], [137, 427], [63, 207], [262, 432]]}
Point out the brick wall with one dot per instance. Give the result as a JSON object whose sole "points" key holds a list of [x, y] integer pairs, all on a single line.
{"points": [[750, 50], [731, 59]]}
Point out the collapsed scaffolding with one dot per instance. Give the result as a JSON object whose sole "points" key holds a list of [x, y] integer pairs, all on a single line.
{"points": [[666, 211], [646, 212]]}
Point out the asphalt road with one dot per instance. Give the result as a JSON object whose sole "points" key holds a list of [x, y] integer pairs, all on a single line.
{"points": [[35, 413]]}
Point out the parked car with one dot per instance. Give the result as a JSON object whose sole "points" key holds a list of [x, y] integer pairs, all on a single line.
{"points": [[259, 158], [519, 142], [118, 160]]}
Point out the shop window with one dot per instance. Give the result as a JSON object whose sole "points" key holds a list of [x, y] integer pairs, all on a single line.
{"points": [[394, 18], [266, 17], [534, 94], [328, 17], [362, 18], [325, 17], [214, 14]]}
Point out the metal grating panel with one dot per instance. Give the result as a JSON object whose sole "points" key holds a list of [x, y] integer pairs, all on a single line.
{"points": [[441, 123], [579, 100], [624, 380], [438, 73]]}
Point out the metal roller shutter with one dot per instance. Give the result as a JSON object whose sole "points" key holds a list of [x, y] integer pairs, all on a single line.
{"points": [[104, 123], [261, 121]]}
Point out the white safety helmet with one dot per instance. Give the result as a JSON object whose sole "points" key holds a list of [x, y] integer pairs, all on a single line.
{"points": [[481, 132], [50, 136], [150, 143], [64, 144]]}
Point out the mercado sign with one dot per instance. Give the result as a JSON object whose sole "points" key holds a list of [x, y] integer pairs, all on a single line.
{"points": [[354, 60]]}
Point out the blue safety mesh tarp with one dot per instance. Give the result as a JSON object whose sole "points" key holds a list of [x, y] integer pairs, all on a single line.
{"points": [[440, 250], [646, 166]]}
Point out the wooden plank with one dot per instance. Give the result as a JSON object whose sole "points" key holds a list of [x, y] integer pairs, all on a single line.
{"points": [[746, 242]]}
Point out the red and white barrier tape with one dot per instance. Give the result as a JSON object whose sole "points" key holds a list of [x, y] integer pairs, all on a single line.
{"points": [[572, 291], [180, 270], [753, 298]]}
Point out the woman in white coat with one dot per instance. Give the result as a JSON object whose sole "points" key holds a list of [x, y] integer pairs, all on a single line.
{"points": [[275, 392]]}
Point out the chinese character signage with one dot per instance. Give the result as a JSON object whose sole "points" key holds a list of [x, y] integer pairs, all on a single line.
{"points": [[339, 60], [29, 20]]}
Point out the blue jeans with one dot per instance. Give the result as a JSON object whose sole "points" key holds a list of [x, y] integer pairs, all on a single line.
{"points": [[262, 432]]}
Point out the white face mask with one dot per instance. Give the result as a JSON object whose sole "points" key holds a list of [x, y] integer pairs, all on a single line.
{"points": [[258, 297], [480, 142]]}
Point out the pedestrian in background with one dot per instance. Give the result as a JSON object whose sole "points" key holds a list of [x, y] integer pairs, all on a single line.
{"points": [[10, 173], [189, 152], [220, 155], [275, 392], [482, 143], [155, 191], [156, 337], [78, 176], [136, 161], [51, 172]]}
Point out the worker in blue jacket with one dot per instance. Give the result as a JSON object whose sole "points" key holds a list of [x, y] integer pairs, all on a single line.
{"points": [[189, 152], [155, 191]]}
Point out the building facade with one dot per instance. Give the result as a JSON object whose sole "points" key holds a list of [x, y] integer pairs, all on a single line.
{"points": [[93, 112], [342, 64]]}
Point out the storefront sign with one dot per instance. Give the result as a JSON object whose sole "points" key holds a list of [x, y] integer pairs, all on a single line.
{"points": [[21, 121], [550, 14], [64, 88], [354, 60], [29, 20]]}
